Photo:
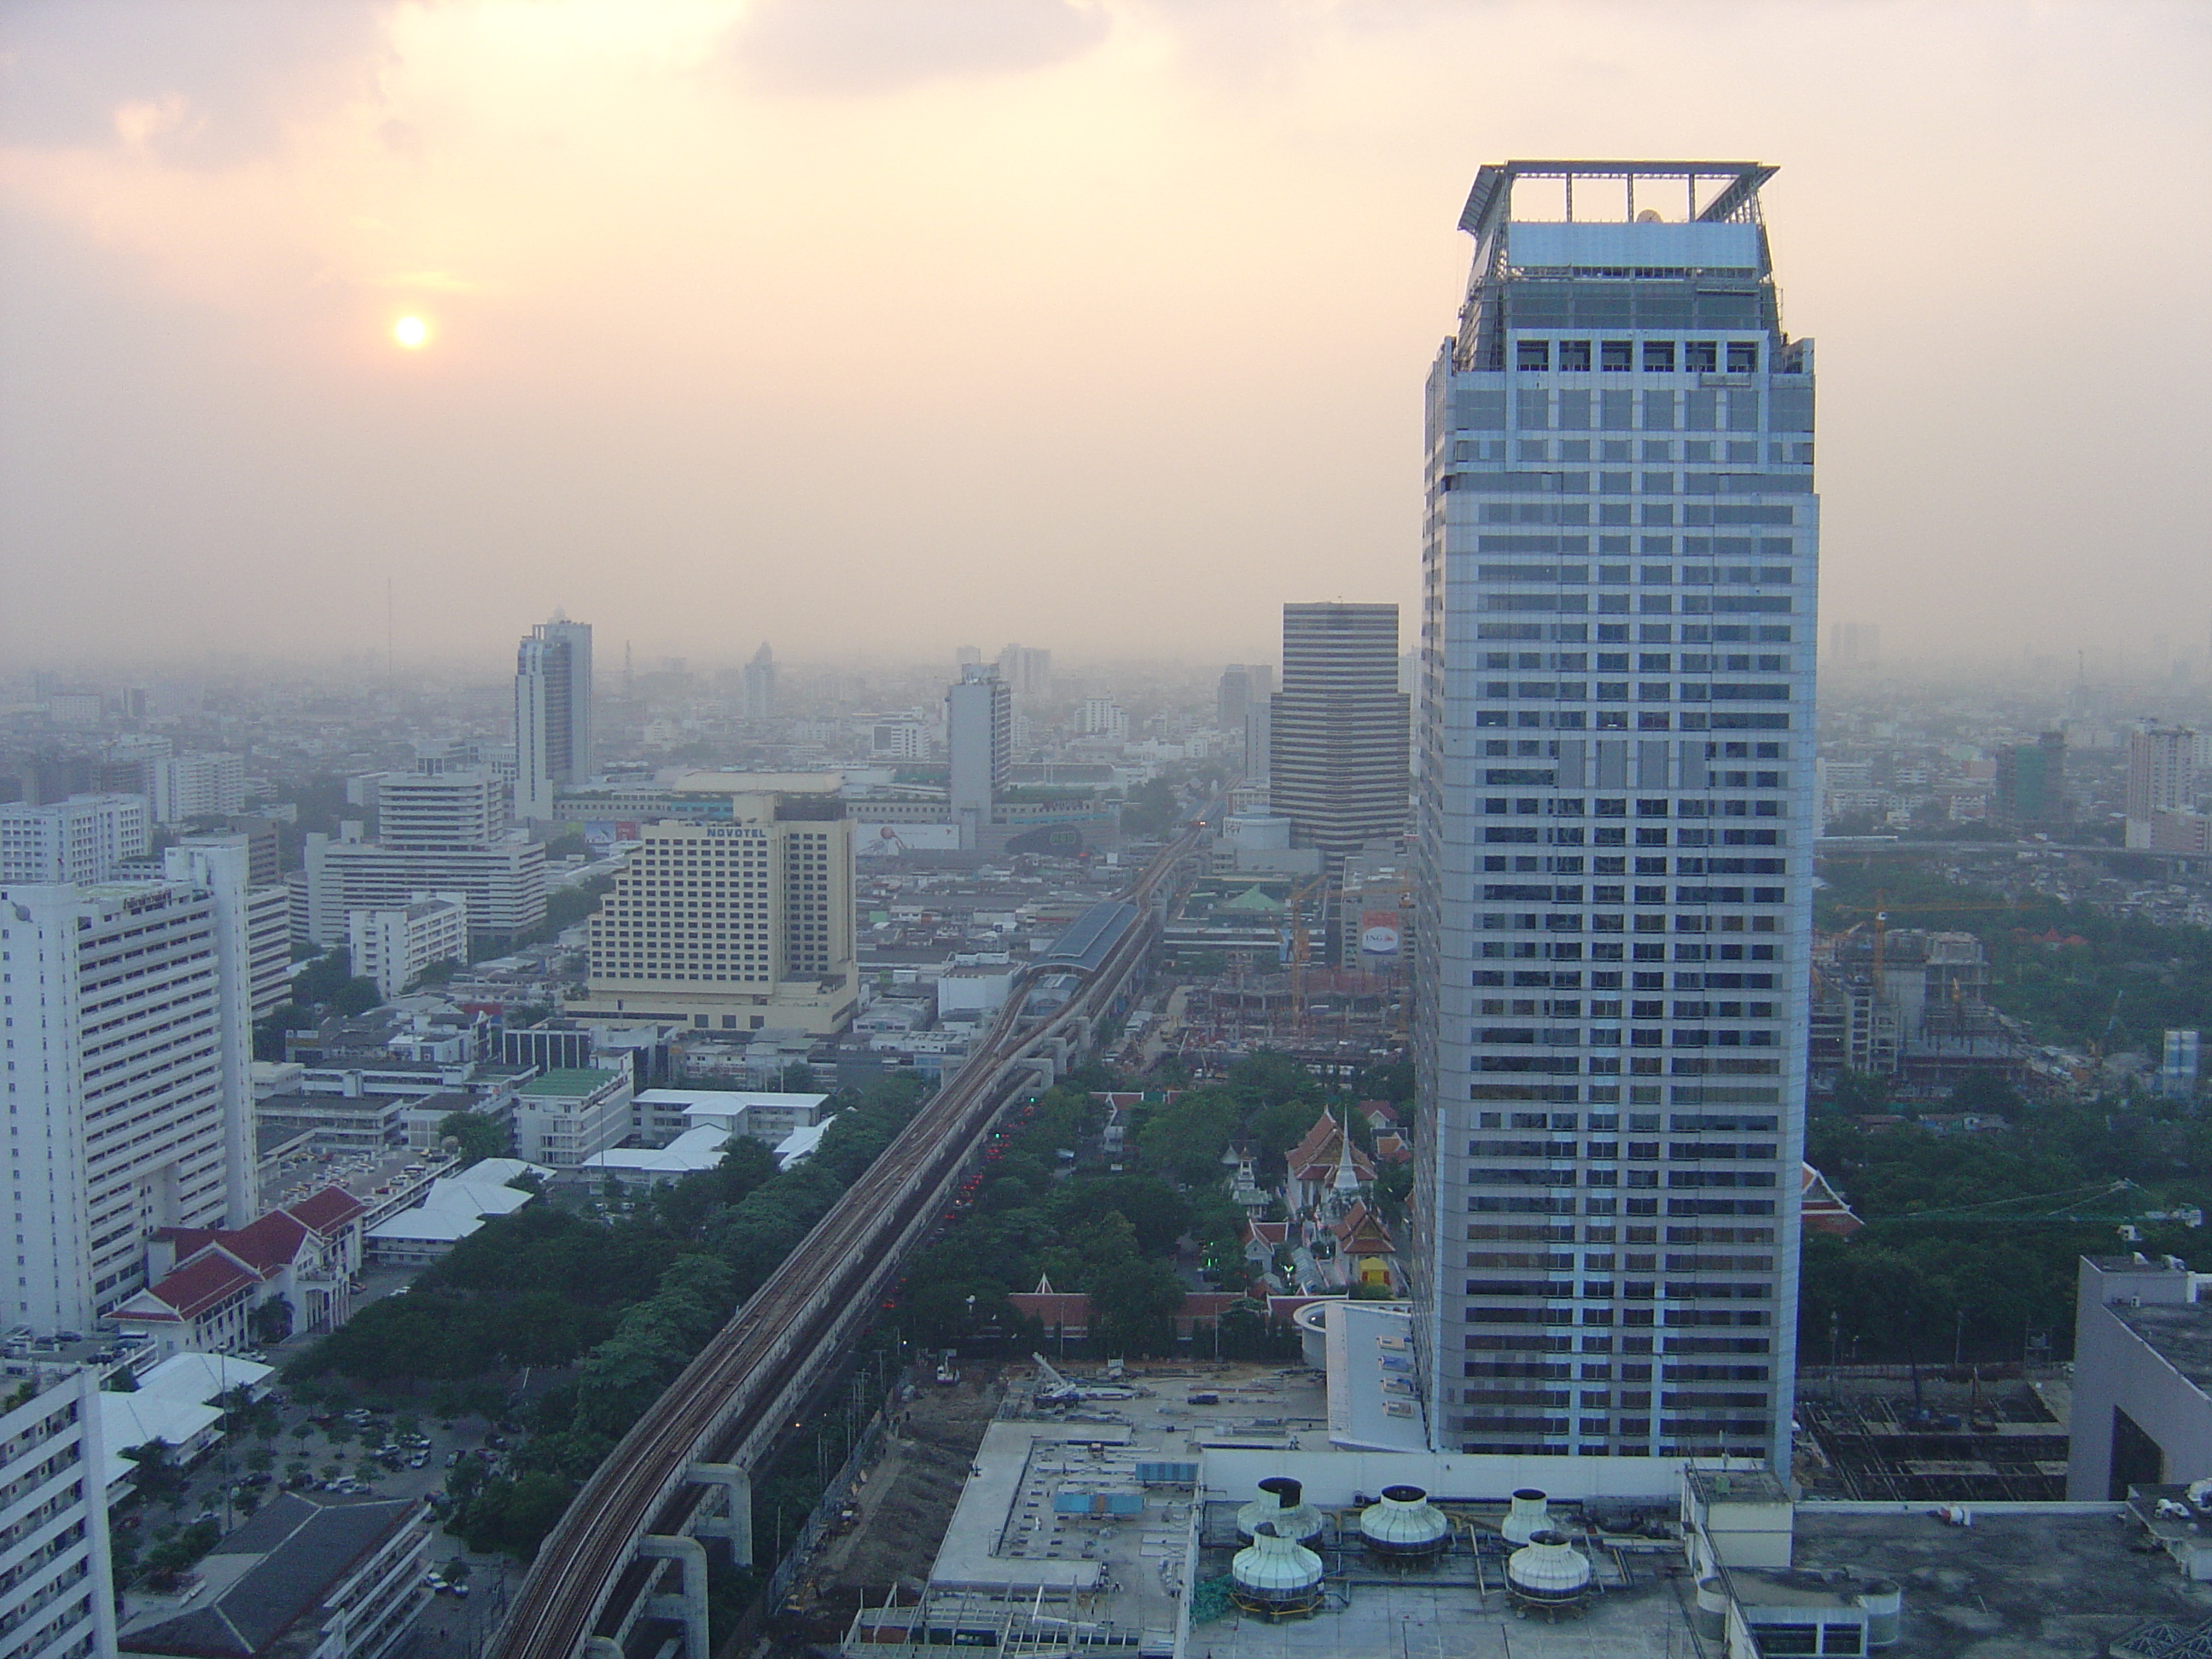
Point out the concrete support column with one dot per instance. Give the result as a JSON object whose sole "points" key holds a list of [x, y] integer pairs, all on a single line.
{"points": [[736, 1523], [690, 1605]]}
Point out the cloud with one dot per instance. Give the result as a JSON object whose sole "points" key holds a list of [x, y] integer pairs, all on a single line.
{"points": [[861, 46], [207, 84]]}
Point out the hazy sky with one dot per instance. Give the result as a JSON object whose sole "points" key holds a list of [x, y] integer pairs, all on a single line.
{"points": [[886, 325]]}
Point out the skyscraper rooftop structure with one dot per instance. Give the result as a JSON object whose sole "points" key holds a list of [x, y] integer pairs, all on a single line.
{"points": [[1614, 814], [1337, 766]]}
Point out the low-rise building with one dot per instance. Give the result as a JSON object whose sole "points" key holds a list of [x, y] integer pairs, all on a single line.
{"points": [[210, 1284], [304, 1578], [2142, 1377], [567, 1117], [660, 1116], [174, 1404], [452, 1207]]}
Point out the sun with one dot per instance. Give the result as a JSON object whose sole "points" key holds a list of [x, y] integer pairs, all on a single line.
{"points": [[411, 332]]}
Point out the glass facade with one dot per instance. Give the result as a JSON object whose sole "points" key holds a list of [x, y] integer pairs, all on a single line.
{"points": [[1616, 814]]}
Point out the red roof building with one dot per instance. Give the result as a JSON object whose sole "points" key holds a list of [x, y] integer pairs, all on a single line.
{"points": [[207, 1282], [1822, 1206]]}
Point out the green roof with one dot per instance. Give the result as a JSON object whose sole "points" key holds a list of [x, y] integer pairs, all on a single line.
{"points": [[569, 1080], [1253, 899]]}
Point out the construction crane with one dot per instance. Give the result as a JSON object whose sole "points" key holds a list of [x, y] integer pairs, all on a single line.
{"points": [[1299, 943], [1880, 916], [2067, 1206], [1054, 1389]]}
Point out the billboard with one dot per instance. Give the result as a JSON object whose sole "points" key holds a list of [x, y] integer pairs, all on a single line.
{"points": [[890, 840], [1380, 932]]}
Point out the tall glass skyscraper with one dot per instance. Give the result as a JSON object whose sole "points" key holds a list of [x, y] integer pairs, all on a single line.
{"points": [[1615, 810]]}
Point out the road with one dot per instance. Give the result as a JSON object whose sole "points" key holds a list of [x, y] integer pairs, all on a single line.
{"points": [[729, 1402]]}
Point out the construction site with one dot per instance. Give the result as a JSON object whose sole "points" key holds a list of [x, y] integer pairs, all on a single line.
{"points": [[1981, 1435], [1299, 964], [888, 1534], [1911, 1006]]}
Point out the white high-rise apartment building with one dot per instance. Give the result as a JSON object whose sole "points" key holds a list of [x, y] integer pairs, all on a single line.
{"points": [[186, 787], [394, 946], [463, 807], [442, 831], [80, 839], [979, 728], [1615, 817], [126, 1009], [57, 1589], [2161, 778], [1102, 717], [552, 715]]}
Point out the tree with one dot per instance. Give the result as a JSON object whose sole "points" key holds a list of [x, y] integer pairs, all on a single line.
{"points": [[1981, 1091], [1187, 1137], [478, 1135], [272, 1320], [1134, 1304], [328, 982], [1155, 1213], [1151, 809], [268, 1030], [158, 1474]]}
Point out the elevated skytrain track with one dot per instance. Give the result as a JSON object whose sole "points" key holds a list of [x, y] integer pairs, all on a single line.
{"points": [[637, 1521]]}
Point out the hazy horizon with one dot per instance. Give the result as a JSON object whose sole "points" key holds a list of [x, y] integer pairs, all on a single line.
{"points": [[875, 329]]}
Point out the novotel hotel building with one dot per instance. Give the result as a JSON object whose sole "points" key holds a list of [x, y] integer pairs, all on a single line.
{"points": [[1614, 822], [739, 922]]}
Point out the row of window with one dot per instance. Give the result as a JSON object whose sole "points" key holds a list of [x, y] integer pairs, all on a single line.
{"points": [[1621, 356], [1607, 1262], [1525, 835], [1617, 632], [1602, 1008], [1644, 1152], [1611, 806], [1603, 950], [1618, 692], [1661, 575], [1615, 452], [1618, 720]]}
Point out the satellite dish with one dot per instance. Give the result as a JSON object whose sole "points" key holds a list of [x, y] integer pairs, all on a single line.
{"points": [[1649, 216]]}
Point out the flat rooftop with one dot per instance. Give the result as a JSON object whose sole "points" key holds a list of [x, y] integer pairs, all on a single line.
{"points": [[2180, 1333], [567, 1083], [1088, 1513], [2023, 1586]]}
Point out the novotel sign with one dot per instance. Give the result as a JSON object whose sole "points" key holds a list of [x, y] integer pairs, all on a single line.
{"points": [[734, 832]]}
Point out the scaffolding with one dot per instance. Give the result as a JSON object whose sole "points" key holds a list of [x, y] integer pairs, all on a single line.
{"points": [[2001, 1449]]}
